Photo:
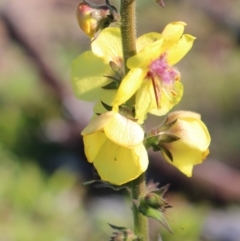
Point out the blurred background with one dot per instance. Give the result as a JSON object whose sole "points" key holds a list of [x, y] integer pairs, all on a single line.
{"points": [[42, 164]]}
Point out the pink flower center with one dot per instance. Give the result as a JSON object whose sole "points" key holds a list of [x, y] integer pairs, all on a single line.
{"points": [[162, 76], [166, 73]]}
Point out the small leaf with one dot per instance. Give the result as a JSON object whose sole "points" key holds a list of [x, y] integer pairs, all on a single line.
{"points": [[118, 71], [167, 126], [112, 86], [161, 191], [156, 148], [107, 107], [116, 227], [155, 214]]}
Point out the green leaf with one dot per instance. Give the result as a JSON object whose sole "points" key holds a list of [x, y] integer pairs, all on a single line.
{"points": [[167, 152], [116, 227]]}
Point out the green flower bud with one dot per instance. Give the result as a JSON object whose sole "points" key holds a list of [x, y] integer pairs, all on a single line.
{"points": [[155, 201], [156, 214]]}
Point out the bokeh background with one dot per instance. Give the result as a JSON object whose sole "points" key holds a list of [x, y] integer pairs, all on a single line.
{"points": [[42, 164]]}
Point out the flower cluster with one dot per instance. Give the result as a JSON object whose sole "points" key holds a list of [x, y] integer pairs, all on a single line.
{"points": [[114, 140]]}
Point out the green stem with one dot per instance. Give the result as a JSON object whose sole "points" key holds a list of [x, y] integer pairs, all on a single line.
{"points": [[140, 221], [128, 29]]}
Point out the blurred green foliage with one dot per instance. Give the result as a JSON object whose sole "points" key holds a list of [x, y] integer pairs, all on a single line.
{"points": [[34, 206], [186, 221]]}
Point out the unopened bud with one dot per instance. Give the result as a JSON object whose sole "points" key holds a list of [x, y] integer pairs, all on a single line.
{"points": [[93, 18], [154, 200]]}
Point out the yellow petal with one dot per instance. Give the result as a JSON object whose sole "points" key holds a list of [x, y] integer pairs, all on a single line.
{"points": [[123, 131], [108, 45], [183, 115], [180, 49], [192, 147], [93, 143], [87, 76], [145, 99], [187, 170], [168, 100], [193, 133], [98, 123], [146, 40], [183, 155], [172, 33], [144, 58], [129, 86], [119, 165]]}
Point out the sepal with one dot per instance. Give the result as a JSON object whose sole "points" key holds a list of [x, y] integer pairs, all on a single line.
{"points": [[107, 107], [155, 214], [116, 79]]}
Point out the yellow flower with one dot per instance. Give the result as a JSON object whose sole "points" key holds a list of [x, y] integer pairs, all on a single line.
{"points": [[152, 73], [114, 145], [192, 146], [93, 70]]}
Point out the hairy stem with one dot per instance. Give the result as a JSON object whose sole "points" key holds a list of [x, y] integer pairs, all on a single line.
{"points": [[138, 186], [140, 221], [128, 29]]}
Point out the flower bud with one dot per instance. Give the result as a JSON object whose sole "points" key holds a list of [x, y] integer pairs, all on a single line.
{"points": [[156, 201], [155, 213], [153, 205], [93, 18]]}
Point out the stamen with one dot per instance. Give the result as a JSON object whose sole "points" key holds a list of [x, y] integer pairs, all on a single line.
{"points": [[163, 77], [156, 92], [173, 92]]}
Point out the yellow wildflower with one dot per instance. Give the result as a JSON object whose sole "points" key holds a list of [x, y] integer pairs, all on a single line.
{"points": [[152, 75], [114, 145]]}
